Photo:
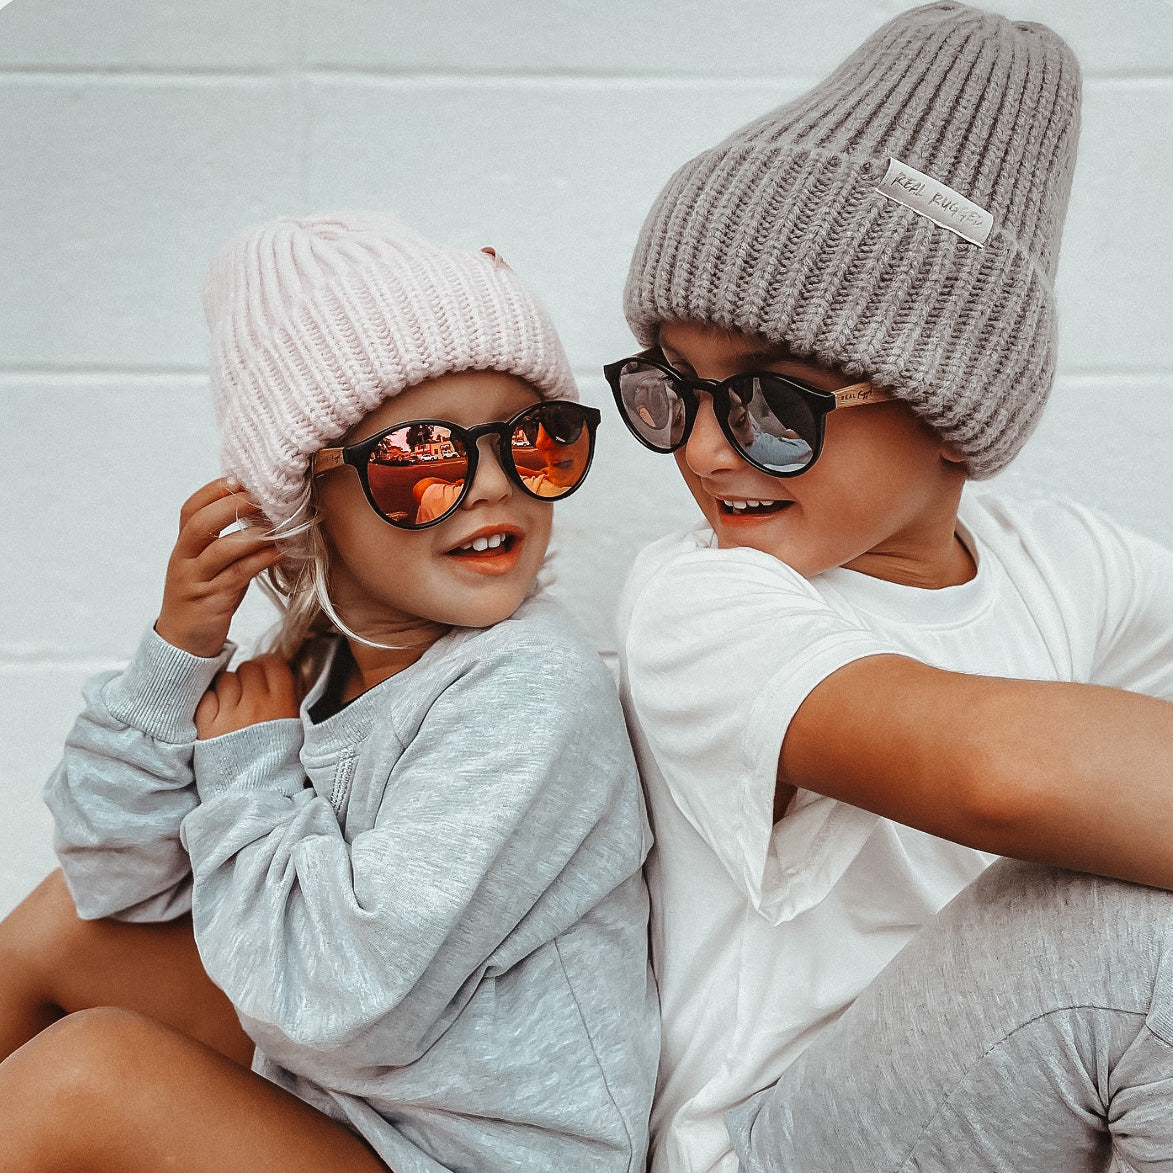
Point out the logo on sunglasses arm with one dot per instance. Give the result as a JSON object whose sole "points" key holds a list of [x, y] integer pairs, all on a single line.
{"points": [[859, 393]]}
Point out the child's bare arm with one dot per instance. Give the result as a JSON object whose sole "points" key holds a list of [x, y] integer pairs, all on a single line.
{"points": [[1069, 774], [209, 571]]}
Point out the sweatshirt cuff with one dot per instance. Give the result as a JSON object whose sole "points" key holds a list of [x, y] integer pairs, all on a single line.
{"points": [[266, 756], [161, 687]]}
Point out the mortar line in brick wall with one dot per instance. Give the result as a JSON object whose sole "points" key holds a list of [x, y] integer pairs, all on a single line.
{"points": [[584, 372], [17, 662], [569, 78], [137, 75], [1155, 376], [103, 371], [390, 76]]}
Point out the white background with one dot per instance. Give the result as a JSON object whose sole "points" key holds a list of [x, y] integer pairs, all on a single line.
{"points": [[135, 137]]}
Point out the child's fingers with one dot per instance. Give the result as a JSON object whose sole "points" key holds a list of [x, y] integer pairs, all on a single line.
{"points": [[198, 603], [279, 680], [201, 526], [251, 675], [227, 687], [258, 690], [205, 495], [233, 579], [206, 713], [231, 550], [268, 680], [222, 697]]}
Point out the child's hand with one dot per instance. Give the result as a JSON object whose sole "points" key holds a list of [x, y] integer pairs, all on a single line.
{"points": [[208, 574], [259, 690]]}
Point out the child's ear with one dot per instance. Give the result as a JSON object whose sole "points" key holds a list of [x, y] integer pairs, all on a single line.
{"points": [[951, 454]]}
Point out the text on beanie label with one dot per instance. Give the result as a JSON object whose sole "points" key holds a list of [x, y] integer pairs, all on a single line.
{"points": [[938, 202]]}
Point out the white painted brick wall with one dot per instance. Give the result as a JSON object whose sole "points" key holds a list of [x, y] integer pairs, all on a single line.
{"points": [[135, 136]]}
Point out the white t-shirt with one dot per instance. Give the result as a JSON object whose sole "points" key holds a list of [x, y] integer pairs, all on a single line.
{"points": [[763, 934]]}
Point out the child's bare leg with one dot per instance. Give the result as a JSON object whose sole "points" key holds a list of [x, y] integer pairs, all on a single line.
{"points": [[109, 1091], [53, 963]]}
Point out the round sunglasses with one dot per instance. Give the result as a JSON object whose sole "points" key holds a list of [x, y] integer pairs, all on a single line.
{"points": [[773, 422], [416, 473]]}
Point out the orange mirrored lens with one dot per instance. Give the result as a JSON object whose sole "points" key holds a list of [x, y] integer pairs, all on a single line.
{"points": [[551, 449], [416, 472]]}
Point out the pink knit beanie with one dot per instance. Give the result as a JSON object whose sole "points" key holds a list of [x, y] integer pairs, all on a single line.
{"points": [[314, 322]]}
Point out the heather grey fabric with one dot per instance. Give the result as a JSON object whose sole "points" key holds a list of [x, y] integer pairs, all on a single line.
{"points": [[781, 230], [428, 908], [1028, 1027]]}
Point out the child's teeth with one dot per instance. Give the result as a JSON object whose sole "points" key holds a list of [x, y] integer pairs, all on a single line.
{"points": [[741, 506], [483, 543]]}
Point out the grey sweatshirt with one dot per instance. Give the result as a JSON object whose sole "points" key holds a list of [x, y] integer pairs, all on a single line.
{"points": [[427, 909]]}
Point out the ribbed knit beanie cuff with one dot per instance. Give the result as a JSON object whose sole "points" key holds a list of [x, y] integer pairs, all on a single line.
{"points": [[314, 322], [783, 231]]}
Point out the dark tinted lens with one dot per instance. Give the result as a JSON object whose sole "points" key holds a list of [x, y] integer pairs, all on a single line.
{"points": [[773, 423], [551, 448], [563, 422], [416, 473], [652, 404]]}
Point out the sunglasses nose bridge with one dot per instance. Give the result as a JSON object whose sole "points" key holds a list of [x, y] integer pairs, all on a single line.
{"points": [[707, 385], [482, 472], [706, 445], [705, 394], [714, 392]]}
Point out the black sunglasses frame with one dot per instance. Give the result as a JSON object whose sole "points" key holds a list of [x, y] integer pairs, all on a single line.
{"points": [[820, 403], [358, 455]]}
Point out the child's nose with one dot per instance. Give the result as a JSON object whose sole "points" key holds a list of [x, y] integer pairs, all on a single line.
{"points": [[491, 482], [707, 450]]}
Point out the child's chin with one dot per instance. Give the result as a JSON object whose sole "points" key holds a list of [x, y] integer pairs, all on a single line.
{"points": [[491, 608]]}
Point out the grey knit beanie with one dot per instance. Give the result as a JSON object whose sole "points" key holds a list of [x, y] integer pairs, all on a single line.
{"points": [[900, 222]]}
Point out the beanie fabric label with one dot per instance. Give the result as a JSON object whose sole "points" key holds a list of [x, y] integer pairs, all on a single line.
{"points": [[933, 199]]}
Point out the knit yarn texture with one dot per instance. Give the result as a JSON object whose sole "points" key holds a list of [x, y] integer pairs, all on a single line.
{"points": [[780, 230], [315, 322]]}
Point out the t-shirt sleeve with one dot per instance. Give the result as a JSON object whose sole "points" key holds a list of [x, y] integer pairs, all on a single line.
{"points": [[1134, 642], [721, 648]]}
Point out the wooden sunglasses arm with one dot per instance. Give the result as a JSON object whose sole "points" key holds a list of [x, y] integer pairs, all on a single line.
{"points": [[326, 459], [860, 393]]}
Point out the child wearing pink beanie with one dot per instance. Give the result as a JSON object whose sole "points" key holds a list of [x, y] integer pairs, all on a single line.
{"points": [[372, 901]]}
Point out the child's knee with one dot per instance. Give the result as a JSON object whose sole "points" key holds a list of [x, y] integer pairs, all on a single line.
{"points": [[74, 1063], [1050, 938], [1032, 900], [91, 1045], [69, 1093]]}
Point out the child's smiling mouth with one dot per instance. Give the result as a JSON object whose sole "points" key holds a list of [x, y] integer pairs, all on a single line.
{"points": [[492, 550], [750, 506], [497, 543]]}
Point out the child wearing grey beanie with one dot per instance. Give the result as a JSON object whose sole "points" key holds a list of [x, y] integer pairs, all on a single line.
{"points": [[858, 681]]}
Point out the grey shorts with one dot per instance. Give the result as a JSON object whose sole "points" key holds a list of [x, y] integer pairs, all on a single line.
{"points": [[1027, 1029]]}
